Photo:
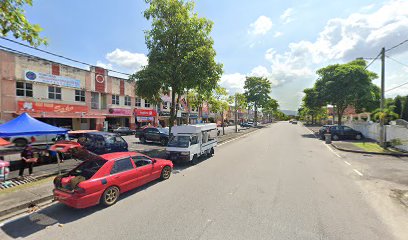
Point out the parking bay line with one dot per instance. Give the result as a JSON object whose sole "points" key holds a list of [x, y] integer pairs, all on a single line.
{"points": [[358, 172], [347, 163]]}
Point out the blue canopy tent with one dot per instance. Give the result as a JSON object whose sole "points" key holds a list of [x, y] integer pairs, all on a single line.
{"points": [[25, 125]]}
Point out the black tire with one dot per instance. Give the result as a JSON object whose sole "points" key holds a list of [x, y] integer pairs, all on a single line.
{"points": [[166, 173], [142, 139], [110, 196], [163, 142], [194, 161], [211, 152], [359, 137], [20, 142], [335, 137]]}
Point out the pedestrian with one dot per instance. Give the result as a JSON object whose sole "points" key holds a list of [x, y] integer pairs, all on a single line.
{"points": [[27, 160]]}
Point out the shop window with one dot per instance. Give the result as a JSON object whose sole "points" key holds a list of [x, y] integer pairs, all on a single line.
{"points": [[115, 99], [24, 89], [79, 95], [147, 104], [164, 104], [84, 120], [104, 101], [127, 101], [54, 92], [95, 100], [138, 102]]}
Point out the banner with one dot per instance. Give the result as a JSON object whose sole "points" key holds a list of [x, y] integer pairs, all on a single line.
{"points": [[100, 79], [40, 107], [145, 113], [120, 111], [51, 79]]}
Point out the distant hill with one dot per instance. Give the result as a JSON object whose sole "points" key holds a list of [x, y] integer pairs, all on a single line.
{"points": [[290, 112]]}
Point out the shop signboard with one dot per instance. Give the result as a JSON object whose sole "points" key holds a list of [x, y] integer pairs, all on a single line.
{"points": [[145, 119], [100, 79], [51, 79], [145, 113], [120, 111], [40, 107], [164, 114]]}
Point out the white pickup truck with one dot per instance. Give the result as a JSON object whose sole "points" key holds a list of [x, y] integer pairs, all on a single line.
{"points": [[189, 142]]}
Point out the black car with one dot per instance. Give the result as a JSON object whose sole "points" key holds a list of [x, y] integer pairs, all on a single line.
{"points": [[247, 124], [153, 134], [103, 142], [124, 131], [340, 132]]}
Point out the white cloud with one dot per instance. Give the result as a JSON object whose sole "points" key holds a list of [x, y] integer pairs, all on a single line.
{"points": [[234, 83], [277, 34], [261, 26], [128, 60], [104, 65], [287, 16]]}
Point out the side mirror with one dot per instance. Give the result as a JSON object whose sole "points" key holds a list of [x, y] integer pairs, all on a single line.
{"points": [[154, 161]]}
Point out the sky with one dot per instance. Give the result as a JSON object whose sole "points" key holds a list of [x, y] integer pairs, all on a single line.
{"points": [[284, 41]]}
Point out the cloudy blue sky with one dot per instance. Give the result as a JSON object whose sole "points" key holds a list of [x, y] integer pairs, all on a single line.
{"points": [[285, 41]]}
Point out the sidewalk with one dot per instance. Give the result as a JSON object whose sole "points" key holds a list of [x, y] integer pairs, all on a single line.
{"points": [[18, 199]]}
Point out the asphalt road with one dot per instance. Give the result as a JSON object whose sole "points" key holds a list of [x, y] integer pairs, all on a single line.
{"points": [[276, 183]]}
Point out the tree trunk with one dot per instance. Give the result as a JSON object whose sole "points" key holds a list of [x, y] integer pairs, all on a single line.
{"points": [[188, 108], [222, 123], [178, 108], [256, 115], [172, 115], [339, 116]]}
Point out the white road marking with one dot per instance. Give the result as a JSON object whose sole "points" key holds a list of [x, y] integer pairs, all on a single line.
{"points": [[347, 163], [359, 173], [331, 149]]}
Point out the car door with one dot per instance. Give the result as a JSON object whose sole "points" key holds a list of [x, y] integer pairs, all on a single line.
{"points": [[155, 134], [124, 174], [348, 132], [144, 167]]}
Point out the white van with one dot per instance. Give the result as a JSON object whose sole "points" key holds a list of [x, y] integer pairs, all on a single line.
{"points": [[189, 142]]}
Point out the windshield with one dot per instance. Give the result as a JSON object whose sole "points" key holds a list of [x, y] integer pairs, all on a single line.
{"points": [[179, 141]]}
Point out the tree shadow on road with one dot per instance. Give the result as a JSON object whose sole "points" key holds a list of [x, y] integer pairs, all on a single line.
{"points": [[309, 135]]}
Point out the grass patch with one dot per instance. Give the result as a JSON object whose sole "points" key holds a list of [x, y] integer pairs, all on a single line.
{"points": [[27, 185], [371, 147]]}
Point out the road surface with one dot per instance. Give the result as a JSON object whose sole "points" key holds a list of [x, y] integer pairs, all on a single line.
{"points": [[276, 183]]}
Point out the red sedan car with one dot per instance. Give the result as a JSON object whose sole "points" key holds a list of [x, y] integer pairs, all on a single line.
{"points": [[101, 179]]}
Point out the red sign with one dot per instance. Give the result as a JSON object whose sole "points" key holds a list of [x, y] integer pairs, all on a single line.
{"points": [[39, 107], [55, 69], [120, 111], [100, 79], [145, 113], [122, 87]]}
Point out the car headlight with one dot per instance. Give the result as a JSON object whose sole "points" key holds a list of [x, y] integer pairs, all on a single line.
{"points": [[185, 153]]}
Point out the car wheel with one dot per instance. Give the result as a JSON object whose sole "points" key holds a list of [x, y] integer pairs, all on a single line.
{"points": [[358, 136], [335, 137], [163, 142], [21, 142], [166, 172], [211, 152], [194, 161], [142, 140], [110, 196]]}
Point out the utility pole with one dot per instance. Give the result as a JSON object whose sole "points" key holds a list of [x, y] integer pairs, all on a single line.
{"points": [[236, 114], [382, 132]]}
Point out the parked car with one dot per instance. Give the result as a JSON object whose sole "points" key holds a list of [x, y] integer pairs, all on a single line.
{"points": [[294, 121], [78, 133], [22, 141], [340, 132], [124, 131], [101, 179], [153, 134], [103, 142], [247, 124]]}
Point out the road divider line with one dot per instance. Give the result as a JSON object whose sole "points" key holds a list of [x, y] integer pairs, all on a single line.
{"points": [[358, 172], [331, 149], [347, 163]]}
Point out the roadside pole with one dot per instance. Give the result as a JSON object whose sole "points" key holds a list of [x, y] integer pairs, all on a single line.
{"points": [[382, 132], [235, 115]]}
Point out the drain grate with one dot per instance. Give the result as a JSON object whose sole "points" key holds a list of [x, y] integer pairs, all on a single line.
{"points": [[17, 182]]}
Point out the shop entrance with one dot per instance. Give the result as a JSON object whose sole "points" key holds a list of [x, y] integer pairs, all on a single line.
{"points": [[58, 122]]}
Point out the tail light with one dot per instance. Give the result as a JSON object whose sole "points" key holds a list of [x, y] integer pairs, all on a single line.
{"points": [[79, 190]]}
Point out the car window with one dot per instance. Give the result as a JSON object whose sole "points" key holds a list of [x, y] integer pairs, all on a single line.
{"points": [[88, 168], [122, 165], [194, 139], [141, 161], [119, 139], [347, 128]]}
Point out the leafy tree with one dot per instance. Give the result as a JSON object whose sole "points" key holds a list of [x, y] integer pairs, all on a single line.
{"points": [[12, 20], [386, 115], [219, 103], [405, 108], [344, 85], [312, 104], [270, 107], [181, 54], [257, 90], [398, 105]]}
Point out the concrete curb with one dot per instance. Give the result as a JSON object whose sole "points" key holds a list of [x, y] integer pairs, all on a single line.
{"points": [[374, 153], [16, 210]]}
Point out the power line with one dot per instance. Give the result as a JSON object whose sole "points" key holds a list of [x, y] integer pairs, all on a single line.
{"points": [[395, 60], [396, 87], [399, 44], [373, 60], [60, 56]]}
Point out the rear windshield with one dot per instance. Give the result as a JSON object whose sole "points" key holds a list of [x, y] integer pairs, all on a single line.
{"points": [[88, 168]]}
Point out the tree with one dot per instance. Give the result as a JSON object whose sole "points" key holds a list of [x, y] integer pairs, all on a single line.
{"points": [[386, 115], [219, 103], [344, 85], [270, 107], [257, 90], [181, 54], [12, 19], [398, 105], [404, 114], [312, 104]]}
